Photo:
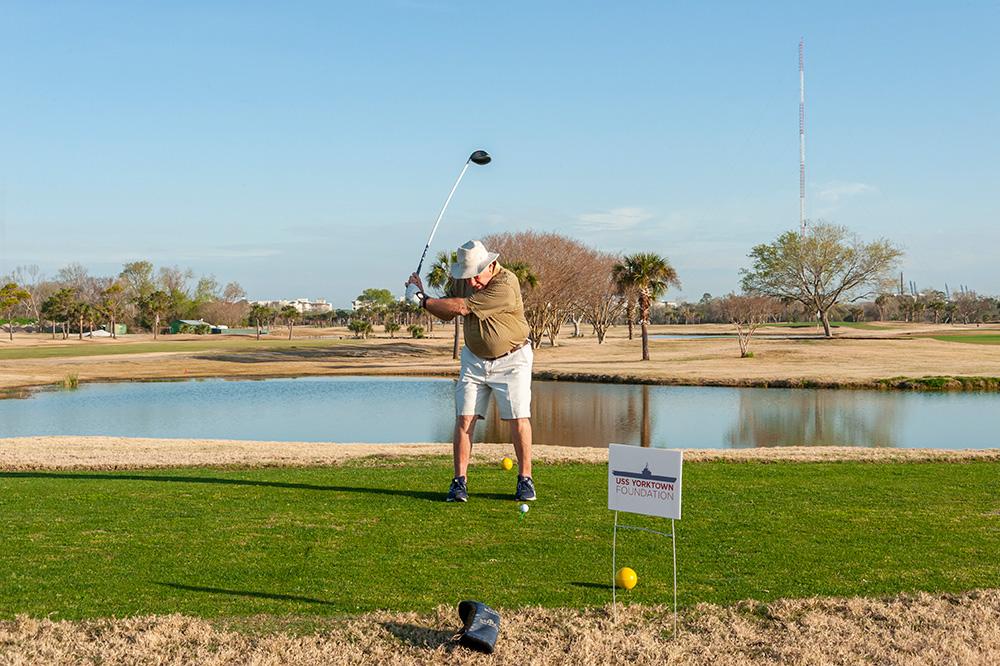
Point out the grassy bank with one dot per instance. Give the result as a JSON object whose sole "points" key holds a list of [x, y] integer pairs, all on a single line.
{"points": [[79, 348], [940, 383], [930, 383], [363, 536]]}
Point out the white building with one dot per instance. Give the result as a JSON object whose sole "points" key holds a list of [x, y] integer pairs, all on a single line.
{"points": [[303, 305]]}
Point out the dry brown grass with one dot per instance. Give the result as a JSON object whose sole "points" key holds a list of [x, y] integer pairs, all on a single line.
{"points": [[109, 453], [910, 629], [854, 358]]}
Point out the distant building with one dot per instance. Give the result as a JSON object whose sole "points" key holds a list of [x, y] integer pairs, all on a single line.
{"points": [[303, 305]]}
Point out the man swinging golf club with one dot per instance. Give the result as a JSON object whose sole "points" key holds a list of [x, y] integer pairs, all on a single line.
{"points": [[496, 358]]}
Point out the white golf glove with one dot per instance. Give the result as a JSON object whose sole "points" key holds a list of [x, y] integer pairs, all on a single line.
{"points": [[413, 294]]}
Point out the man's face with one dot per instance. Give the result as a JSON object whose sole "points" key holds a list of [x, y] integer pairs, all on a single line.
{"points": [[480, 281]]}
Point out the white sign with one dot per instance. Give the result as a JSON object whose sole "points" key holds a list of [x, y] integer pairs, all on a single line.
{"points": [[646, 481]]}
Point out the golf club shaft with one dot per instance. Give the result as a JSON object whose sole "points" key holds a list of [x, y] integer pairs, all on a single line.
{"points": [[440, 215]]}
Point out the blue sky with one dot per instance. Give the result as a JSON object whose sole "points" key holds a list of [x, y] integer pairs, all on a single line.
{"points": [[305, 148]]}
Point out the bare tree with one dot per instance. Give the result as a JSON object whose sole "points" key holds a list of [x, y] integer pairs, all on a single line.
{"points": [[559, 263], [748, 313], [602, 302], [969, 307], [175, 281], [207, 290], [31, 278], [233, 293], [223, 312]]}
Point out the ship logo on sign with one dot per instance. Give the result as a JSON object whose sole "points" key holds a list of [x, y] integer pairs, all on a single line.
{"points": [[645, 474]]}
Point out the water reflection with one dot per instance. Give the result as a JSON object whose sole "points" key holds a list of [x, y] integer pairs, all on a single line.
{"points": [[360, 409], [581, 415], [814, 418]]}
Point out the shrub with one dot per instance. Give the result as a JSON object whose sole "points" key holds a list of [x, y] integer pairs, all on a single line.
{"points": [[360, 328], [416, 330]]}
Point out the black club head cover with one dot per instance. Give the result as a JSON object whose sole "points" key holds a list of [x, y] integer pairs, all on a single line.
{"points": [[481, 626]]}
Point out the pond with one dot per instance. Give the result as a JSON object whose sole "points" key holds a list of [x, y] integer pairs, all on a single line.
{"points": [[382, 410]]}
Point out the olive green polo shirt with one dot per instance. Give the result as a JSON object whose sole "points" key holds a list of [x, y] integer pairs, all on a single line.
{"points": [[495, 323]]}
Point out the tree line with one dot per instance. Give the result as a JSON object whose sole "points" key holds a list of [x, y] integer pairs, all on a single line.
{"points": [[825, 275], [140, 296]]}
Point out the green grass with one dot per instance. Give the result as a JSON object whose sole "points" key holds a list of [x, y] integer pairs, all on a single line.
{"points": [[940, 383], [329, 541], [210, 343], [970, 339]]}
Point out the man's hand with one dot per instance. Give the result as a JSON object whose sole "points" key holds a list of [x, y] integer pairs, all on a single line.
{"points": [[415, 279]]}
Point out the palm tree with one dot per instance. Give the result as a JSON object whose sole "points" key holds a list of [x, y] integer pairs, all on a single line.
{"points": [[439, 277], [522, 271], [154, 305], [259, 313], [112, 304], [290, 313], [650, 275]]}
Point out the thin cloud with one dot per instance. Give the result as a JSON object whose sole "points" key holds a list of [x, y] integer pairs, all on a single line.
{"points": [[614, 220], [89, 255], [836, 192], [230, 253]]}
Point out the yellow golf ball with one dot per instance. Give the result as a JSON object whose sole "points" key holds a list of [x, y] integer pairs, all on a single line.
{"points": [[626, 578], [507, 464]]}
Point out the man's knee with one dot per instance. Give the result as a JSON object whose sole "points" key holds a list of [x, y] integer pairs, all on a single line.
{"points": [[465, 422]]}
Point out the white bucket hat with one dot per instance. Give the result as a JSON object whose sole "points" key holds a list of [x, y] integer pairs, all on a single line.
{"points": [[473, 258]]}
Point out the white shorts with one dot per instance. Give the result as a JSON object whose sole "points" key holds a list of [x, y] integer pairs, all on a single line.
{"points": [[508, 377]]}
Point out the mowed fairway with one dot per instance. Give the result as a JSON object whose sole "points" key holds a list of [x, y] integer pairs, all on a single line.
{"points": [[970, 339], [375, 535]]}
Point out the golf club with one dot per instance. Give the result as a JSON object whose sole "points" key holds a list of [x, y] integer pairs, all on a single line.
{"points": [[480, 157]]}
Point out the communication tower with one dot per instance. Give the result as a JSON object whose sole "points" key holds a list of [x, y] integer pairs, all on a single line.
{"points": [[802, 138]]}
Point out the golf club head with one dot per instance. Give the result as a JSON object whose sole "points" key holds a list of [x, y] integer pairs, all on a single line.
{"points": [[480, 157]]}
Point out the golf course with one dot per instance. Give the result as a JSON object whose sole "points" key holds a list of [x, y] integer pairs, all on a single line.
{"points": [[296, 549], [438, 333], [196, 550], [130, 549]]}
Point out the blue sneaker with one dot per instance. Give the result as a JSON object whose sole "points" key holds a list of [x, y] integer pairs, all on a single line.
{"points": [[458, 491], [525, 489]]}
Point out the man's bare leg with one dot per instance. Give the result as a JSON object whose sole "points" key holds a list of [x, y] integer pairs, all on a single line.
{"points": [[520, 430], [464, 427]]}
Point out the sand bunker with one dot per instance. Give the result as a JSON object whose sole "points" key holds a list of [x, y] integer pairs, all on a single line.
{"points": [[104, 453]]}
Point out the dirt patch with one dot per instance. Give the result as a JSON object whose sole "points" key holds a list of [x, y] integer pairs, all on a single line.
{"points": [[104, 453], [354, 351], [909, 629]]}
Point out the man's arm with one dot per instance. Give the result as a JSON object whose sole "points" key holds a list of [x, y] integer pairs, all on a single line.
{"points": [[446, 308]]}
